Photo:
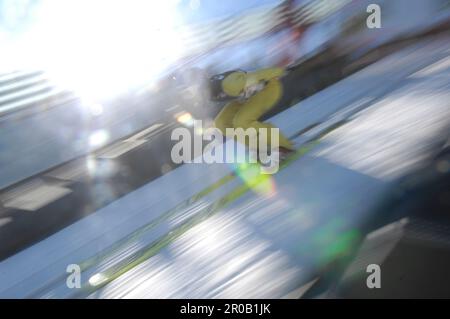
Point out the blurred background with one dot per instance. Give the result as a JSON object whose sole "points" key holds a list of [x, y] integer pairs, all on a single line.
{"points": [[90, 92]]}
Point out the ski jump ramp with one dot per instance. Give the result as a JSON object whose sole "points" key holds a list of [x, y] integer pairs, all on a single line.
{"points": [[199, 232]]}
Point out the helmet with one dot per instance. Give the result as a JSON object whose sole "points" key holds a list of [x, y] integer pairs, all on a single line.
{"points": [[227, 85]]}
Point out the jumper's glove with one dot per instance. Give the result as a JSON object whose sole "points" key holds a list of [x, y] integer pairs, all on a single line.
{"points": [[253, 89]]}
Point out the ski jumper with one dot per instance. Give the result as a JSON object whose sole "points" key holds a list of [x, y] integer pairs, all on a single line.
{"points": [[246, 111]]}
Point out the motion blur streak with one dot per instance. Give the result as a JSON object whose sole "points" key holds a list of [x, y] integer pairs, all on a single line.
{"points": [[91, 92]]}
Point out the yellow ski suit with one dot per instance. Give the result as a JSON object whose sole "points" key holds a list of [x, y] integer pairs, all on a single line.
{"points": [[245, 114]]}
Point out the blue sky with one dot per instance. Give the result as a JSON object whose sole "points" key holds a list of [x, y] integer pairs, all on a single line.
{"points": [[190, 11], [194, 11]]}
